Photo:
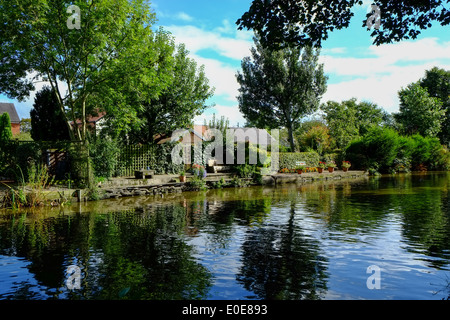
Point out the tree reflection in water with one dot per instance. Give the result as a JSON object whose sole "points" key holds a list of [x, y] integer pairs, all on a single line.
{"points": [[281, 263]]}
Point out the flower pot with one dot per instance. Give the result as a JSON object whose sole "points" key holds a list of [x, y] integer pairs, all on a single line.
{"points": [[330, 169], [182, 178], [319, 169], [345, 169], [299, 171]]}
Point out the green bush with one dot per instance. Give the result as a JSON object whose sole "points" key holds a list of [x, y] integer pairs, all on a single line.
{"points": [[289, 160], [384, 150]]}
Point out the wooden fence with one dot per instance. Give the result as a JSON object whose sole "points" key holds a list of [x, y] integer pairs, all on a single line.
{"points": [[135, 157]]}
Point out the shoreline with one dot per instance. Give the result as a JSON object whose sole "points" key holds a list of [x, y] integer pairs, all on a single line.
{"points": [[129, 187]]}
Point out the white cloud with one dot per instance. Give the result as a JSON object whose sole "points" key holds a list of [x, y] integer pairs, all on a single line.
{"points": [[197, 39], [183, 16], [385, 69], [231, 113]]}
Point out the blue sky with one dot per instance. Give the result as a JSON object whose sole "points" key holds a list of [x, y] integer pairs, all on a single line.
{"points": [[354, 66]]}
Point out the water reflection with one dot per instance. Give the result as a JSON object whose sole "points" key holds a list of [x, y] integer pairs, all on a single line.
{"points": [[310, 241]]}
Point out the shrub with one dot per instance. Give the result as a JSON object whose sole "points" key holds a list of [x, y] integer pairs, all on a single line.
{"points": [[290, 160], [385, 150], [104, 155]]}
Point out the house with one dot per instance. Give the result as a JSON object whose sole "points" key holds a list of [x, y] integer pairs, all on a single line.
{"points": [[15, 120], [95, 123]]}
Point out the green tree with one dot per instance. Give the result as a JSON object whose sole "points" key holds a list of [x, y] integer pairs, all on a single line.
{"points": [[47, 121], [419, 113], [178, 104], [298, 22], [317, 138], [437, 83], [5, 128], [113, 53], [278, 88], [377, 149], [5, 138], [350, 120]]}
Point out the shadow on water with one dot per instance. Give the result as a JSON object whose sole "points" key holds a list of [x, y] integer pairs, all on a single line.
{"points": [[307, 241]]}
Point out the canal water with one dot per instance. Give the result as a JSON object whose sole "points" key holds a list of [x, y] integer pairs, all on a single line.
{"points": [[375, 238]]}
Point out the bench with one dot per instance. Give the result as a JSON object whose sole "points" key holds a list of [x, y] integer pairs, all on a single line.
{"points": [[144, 174]]}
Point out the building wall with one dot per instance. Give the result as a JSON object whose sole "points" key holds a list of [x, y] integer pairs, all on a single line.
{"points": [[15, 128]]}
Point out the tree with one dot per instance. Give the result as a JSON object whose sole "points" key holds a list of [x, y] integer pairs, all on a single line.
{"points": [[5, 138], [279, 87], [349, 120], [5, 128], [437, 83], [305, 22], [47, 122], [419, 113], [25, 125], [316, 138], [178, 104], [114, 52]]}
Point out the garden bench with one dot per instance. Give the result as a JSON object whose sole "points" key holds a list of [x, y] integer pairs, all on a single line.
{"points": [[144, 174]]}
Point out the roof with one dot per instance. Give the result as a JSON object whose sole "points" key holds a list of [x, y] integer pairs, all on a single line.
{"points": [[11, 110], [93, 119]]}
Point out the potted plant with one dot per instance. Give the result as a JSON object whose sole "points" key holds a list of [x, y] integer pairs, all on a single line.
{"points": [[331, 165], [300, 169], [182, 176], [320, 167], [346, 165]]}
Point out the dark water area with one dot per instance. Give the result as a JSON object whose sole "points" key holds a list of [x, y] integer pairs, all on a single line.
{"points": [[376, 238]]}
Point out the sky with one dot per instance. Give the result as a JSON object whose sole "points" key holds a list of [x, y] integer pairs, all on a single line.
{"points": [[355, 68]]}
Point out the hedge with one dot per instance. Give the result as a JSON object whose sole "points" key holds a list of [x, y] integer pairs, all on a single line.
{"points": [[289, 160]]}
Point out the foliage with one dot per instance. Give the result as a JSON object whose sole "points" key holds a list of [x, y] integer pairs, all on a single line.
{"points": [[29, 193], [316, 138], [104, 155], [114, 53], [278, 88], [437, 83], [219, 184], [5, 128], [419, 113], [322, 164], [384, 150], [178, 104], [350, 120], [346, 164], [290, 160], [378, 148], [197, 182], [5, 140], [300, 23], [331, 164], [47, 120]]}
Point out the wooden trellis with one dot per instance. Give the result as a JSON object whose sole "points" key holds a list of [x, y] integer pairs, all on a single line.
{"points": [[135, 157]]}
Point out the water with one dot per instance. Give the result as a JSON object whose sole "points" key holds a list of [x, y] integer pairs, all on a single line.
{"points": [[313, 241]]}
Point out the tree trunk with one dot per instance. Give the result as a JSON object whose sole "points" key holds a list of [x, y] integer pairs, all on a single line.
{"points": [[291, 136]]}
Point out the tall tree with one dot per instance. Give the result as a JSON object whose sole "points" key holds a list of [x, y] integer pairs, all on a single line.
{"points": [[89, 52], [437, 83], [176, 107], [280, 87], [419, 113], [348, 120], [47, 121], [307, 22], [5, 128]]}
